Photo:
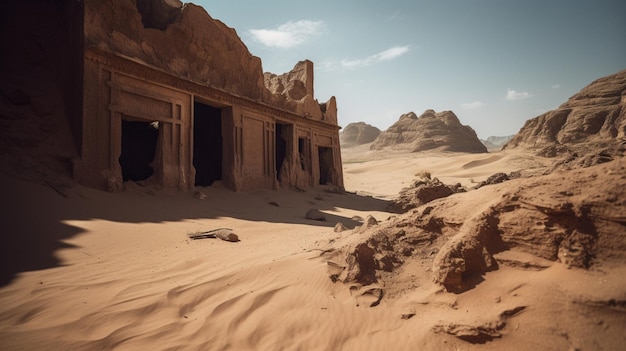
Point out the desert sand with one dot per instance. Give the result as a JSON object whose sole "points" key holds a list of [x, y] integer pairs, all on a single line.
{"points": [[90, 270], [84, 269]]}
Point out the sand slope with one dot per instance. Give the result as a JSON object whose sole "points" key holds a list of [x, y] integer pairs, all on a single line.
{"points": [[92, 270]]}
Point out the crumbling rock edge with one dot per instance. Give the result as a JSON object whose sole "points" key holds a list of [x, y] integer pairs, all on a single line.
{"points": [[185, 41], [588, 129], [574, 218], [479, 334], [422, 191], [431, 130]]}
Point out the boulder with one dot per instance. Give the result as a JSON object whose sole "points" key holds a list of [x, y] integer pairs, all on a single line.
{"points": [[316, 215], [423, 191]]}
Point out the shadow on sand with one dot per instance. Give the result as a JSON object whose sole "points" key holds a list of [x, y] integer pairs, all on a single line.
{"points": [[34, 219]]}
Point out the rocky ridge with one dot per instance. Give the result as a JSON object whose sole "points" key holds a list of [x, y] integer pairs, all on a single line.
{"points": [[431, 130], [580, 224], [589, 128], [570, 214]]}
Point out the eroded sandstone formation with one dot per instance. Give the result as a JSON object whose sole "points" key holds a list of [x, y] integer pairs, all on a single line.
{"points": [[157, 92], [215, 115], [589, 128], [358, 133], [574, 217], [431, 130], [422, 191], [185, 41]]}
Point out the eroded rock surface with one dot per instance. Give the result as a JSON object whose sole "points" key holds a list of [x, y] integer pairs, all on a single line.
{"points": [[358, 133], [574, 217], [423, 191], [185, 41], [589, 128], [431, 130]]}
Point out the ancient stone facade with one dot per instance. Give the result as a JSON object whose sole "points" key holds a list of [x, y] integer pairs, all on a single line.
{"points": [[173, 97]]}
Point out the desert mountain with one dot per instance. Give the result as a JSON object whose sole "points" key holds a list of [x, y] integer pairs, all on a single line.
{"points": [[358, 133], [431, 130], [496, 142], [590, 125]]}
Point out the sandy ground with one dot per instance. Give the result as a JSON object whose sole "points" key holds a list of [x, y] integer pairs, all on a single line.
{"points": [[384, 174], [89, 270]]}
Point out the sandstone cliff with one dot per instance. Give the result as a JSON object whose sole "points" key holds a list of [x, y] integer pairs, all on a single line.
{"points": [[358, 133], [431, 130], [592, 122], [183, 40]]}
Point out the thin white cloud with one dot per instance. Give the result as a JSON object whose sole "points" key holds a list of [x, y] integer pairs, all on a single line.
{"points": [[391, 54], [472, 105], [287, 35], [556, 86], [386, 55], [517, 95]]}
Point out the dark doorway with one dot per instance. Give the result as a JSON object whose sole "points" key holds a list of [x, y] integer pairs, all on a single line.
{"points": [[303, 153], [326, 165], [139, 142], [207, 144], [283, 137]]}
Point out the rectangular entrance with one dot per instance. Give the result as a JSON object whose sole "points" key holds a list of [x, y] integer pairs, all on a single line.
{"points": [[283, 148], [139, 145], [207, 144], [326, 165]]}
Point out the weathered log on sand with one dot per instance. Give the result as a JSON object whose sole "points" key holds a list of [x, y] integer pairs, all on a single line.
{"points": [[225, 234]]}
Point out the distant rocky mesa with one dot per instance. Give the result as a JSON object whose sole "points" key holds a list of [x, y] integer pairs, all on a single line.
{"points": [[431, 130], [496, 142], [591, 121], [358, 133]]}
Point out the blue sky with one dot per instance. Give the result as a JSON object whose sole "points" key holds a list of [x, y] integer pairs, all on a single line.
{"points": [[494, 63]]}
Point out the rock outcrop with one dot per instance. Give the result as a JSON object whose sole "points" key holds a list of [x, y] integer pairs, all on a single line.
{"points": [[590, 123], [578, 223], [151, 32], [62, 72], [431, 130], [422, 191], [296, 89], [358, 133], [187, 42]]}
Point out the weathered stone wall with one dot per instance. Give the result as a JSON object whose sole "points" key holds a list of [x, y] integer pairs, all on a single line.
{"points": [[117, 89]]}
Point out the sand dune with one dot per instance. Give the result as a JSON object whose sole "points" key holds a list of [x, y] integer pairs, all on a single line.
{"points": [[384, 174], [100, 271]]}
